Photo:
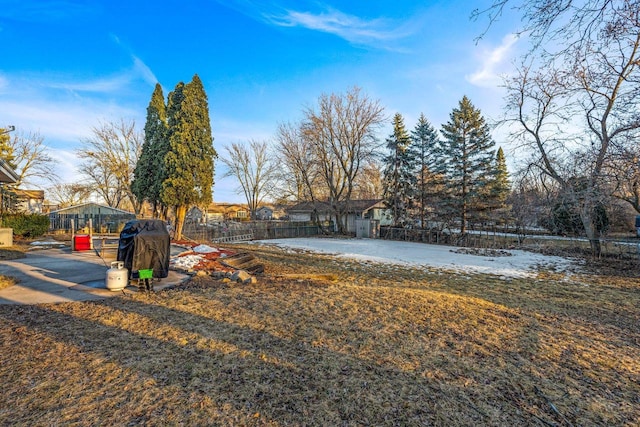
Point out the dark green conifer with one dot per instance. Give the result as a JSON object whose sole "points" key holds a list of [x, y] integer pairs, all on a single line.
{"points": [[501, 186], [468, 163], [190, 160], [150, 171], [399, 179], [424, 151]]}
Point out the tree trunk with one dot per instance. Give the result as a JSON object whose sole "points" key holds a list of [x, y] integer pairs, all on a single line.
{"points": [[463, 220], [586, 215], [181, 213]]}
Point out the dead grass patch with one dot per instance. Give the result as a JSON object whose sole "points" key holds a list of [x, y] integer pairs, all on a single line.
{"points": [[322, 341], [6, 281]]}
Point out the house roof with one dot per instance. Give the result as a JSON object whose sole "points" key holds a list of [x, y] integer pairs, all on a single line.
{"points": [[30, 194], [354, 206], [7, 174]]}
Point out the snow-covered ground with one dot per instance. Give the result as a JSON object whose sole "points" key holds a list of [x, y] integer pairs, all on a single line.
{"points": [[519, 264], [187, 262]]}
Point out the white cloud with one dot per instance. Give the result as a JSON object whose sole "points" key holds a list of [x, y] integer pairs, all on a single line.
{"points": [[493, 64], [63, 125], [63, 108], [375, 33], [110, 84], [62, 120], [348, 27], [142, 70], [101, 85]]}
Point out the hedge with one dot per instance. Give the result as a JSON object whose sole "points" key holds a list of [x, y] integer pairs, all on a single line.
{"points": [[26, 225]]}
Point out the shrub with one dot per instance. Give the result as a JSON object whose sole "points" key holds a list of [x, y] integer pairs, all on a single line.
{"points": [[26, 225]]}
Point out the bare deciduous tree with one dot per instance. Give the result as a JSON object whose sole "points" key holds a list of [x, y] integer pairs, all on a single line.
{"points": [[109, 159], [253, 168], [298, 175], [578, 99], [32, 159], [341, 134], [625, 176], [368, 183], [66, 195]]}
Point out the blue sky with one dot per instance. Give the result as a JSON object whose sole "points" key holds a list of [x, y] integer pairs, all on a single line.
{"points": [[69, 65]]}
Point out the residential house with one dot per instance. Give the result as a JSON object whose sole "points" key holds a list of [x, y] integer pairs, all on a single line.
{"points": [[355, 209], [264, 213], [28, 201], [219, 212]]}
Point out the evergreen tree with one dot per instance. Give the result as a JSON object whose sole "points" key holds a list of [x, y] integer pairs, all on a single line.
{"points": [[498, 191], [6, 149], [468, 162], [190, 160], [501, 186], [399, 180], [424, 151], [150, 171]]}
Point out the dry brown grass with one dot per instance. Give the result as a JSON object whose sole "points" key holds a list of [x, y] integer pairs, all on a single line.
{"points": [[379, 345], [6, 281]]}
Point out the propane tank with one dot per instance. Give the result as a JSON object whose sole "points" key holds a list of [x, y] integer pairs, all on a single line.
{"points": [[117, 276]]}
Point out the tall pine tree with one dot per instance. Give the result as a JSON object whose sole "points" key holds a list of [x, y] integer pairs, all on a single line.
{"points": [[468, 162], [190, 160], [424, 151], [150, 171], [399, 180], [501, 186]]}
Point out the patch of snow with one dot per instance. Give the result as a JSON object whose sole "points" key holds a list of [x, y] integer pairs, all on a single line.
{"points": [[46, 243], [185, 262], [204, 249], [519, 264]]}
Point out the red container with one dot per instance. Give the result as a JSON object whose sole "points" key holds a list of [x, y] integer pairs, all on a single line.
{"points": [[81, 242]]}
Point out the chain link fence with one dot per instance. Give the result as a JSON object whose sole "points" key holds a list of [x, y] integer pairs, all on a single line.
{"points": [[101, 224], [627, 247]]}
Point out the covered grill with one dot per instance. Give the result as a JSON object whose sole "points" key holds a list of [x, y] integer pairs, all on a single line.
{"points": [[144, 247]]}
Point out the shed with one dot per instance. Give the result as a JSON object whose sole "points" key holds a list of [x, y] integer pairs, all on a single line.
{"points": [[264, 213]]}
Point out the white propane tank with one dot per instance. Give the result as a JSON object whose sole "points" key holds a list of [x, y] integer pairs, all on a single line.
{"points": [[117, 276]]}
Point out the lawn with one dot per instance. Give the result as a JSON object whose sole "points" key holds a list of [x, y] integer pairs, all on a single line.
{"points": [[379, 345]]}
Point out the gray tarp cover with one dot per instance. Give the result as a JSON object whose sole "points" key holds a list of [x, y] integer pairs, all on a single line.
{"points": [[143, 245]]}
